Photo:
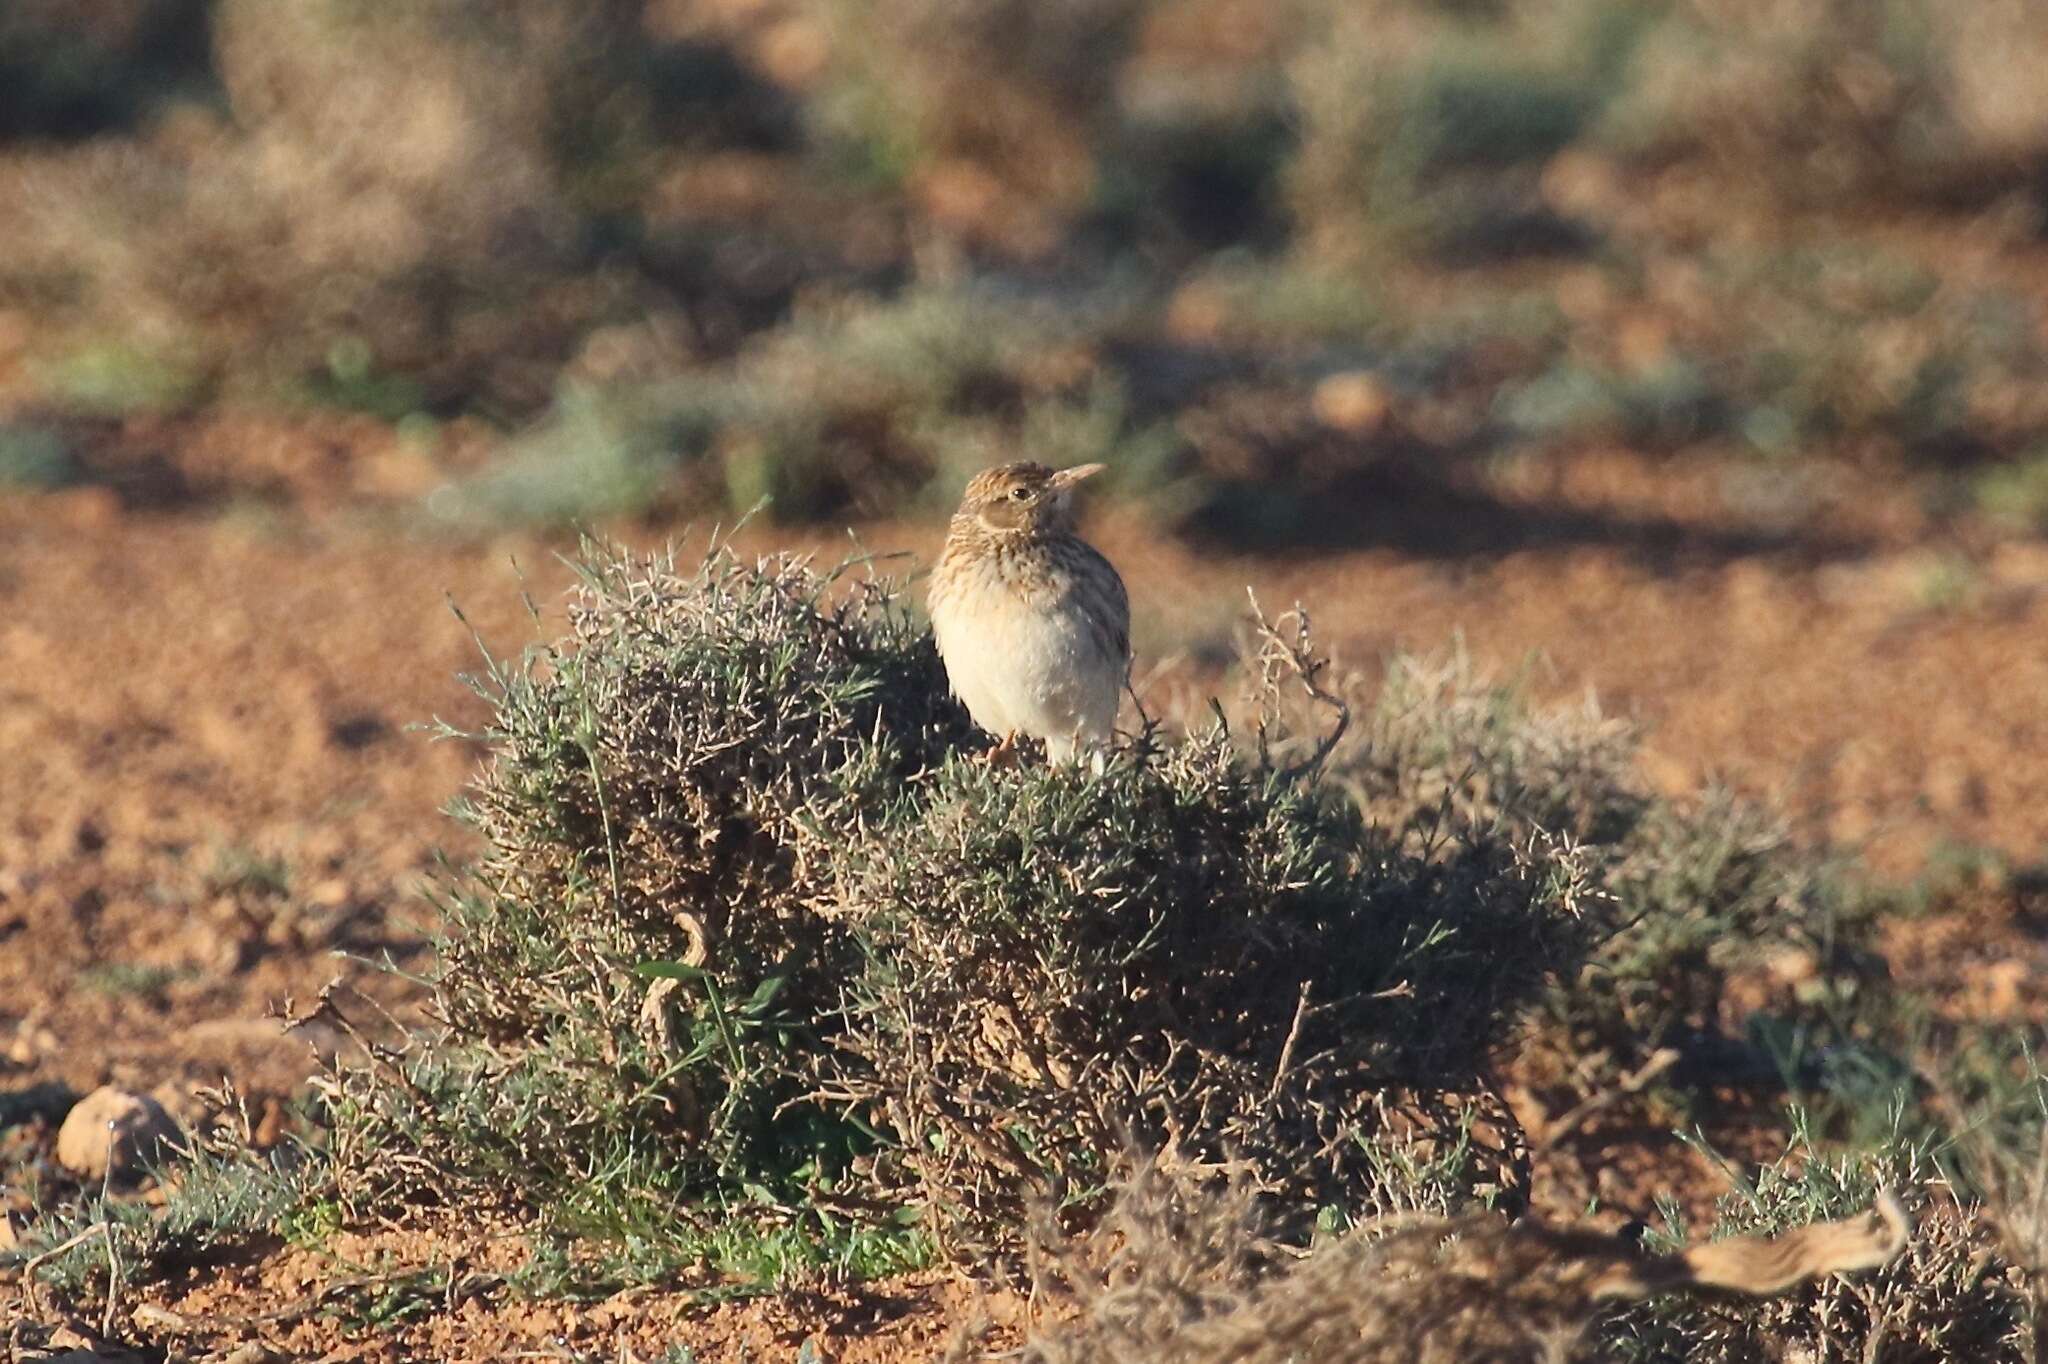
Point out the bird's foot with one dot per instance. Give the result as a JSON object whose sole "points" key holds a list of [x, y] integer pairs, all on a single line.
{"points": [[1003, 755]]}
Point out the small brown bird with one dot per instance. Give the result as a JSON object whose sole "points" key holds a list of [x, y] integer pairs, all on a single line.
{"points": [[1033, 624]]}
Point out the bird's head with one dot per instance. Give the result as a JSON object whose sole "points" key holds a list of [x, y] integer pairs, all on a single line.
{"points": [[1024, 498]]}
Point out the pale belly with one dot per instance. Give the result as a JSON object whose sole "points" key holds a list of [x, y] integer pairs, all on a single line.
{"points": [[1038, 674]]}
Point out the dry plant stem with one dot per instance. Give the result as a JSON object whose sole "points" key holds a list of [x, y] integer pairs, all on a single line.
{"points": [[113, 1254], [324, 1008], [2036, 1246], [1579, 1114], [1880, 1324], [28, 1271], [1281, 657], [1287, 1047]]}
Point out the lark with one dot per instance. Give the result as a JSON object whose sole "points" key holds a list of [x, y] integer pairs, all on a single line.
{"points": [[1032, 622]]}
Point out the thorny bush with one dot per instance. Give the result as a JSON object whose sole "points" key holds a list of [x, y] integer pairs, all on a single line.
{"points": [[752, 922]]}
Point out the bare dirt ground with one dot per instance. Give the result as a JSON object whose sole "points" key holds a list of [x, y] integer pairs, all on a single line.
{"points": [[211, 799]]}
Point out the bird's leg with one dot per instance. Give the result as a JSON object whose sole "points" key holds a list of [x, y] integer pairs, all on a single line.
{"points": [[1004, 754]]}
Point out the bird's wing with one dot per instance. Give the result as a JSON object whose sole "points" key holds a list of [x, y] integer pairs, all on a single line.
{"points": [[1106, 602]]}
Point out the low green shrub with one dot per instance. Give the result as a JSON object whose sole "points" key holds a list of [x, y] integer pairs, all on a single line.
{"points": [[1680, 901], [755, 937], [1422, 131], [395, 181], [1950, 1296], [1022, 90], [752, 926], [859, 406], [1818, 100]]}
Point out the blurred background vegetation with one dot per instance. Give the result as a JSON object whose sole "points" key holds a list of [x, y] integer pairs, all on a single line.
{"points": [[1282, 264]]}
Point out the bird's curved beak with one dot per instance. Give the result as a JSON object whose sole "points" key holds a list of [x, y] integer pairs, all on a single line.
{"points": [[1067, 478]]}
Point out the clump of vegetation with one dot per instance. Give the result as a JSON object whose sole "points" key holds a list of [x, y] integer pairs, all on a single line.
{"points": [[218, 1188], [1424, 133], [35, 457], [1192, 1273], [1822, 98], [1867, 354], [1018, 92], [858, 406], [1814, 99], [1951, 1295], [1683, 900], [1191, 946], [639, 968], [388, 177], [753, 926]]}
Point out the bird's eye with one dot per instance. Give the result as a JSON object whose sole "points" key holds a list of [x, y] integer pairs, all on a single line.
{"points": [[1021, 493]]}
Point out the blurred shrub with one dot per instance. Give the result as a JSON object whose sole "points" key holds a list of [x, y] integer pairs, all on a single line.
{"points": [[1206, 128], [1940, 373], [594, 455], [1423, 130], [856, 406], [75, 68], [1812, 98], [2018, 492], [1275, 300], [1856, 353], [1821, 98], [1202, 178], [35, 458], [399, 136], [114, 378], [1670, 404], [949, 93], [391, 176]]}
